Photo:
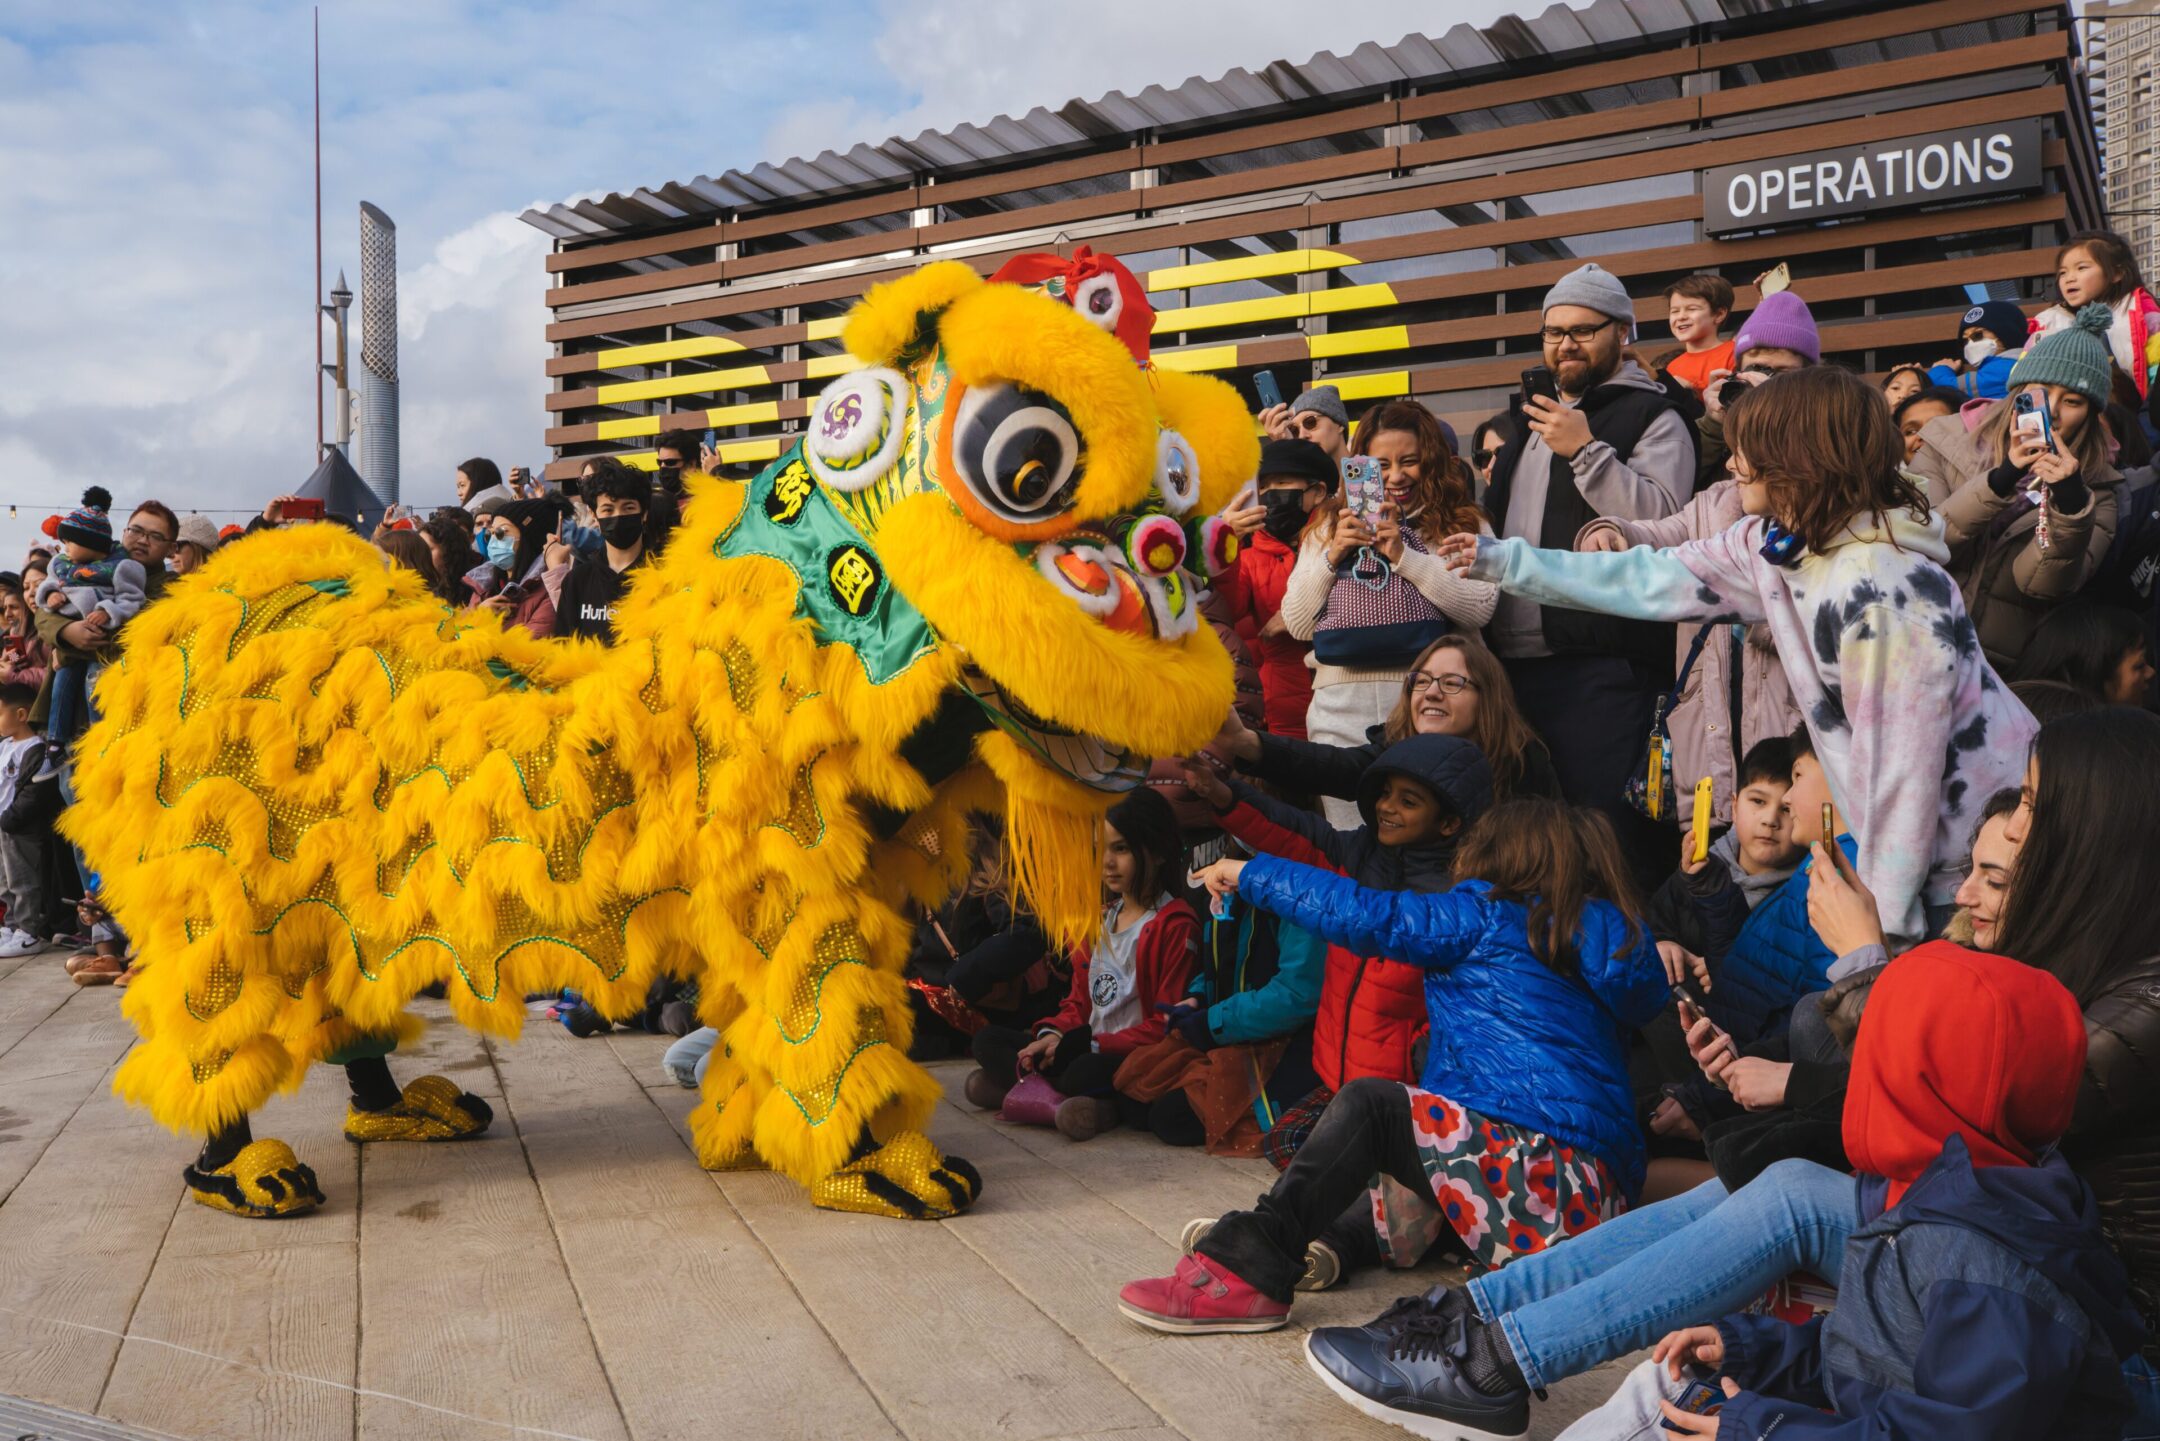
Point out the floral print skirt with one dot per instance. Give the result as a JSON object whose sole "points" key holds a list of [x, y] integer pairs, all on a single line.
{"points": [[1503, 1190]]}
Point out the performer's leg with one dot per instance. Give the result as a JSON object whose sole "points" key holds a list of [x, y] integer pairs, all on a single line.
{"points": [[846, 1108], [246, 1177], [431, 1108]]}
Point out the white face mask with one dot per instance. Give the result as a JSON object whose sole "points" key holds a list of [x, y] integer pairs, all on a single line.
{"points": [[1978, 351]]}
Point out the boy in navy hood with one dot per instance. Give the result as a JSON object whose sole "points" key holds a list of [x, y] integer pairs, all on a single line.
{"points": [[1416, 799], [1977, 1300]]}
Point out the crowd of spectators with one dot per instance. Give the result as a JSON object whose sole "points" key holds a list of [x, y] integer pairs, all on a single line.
{"points": [[1690, 845]]}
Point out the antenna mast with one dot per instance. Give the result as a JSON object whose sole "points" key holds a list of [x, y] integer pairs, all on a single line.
{"points": [[317, 307]]}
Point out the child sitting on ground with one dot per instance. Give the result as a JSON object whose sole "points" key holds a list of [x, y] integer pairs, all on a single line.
{"points": [[1139, 966], [1416, 800], [90, 584], [1240, 1051], [1522, 1131], [1978, 1298], [1754, 940]]}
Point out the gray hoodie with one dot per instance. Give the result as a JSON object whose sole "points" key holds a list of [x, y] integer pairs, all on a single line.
{"points": [[1653, 482]]}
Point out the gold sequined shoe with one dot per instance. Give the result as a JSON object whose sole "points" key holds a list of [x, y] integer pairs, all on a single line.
{"points": [[265, 1179], [904, 1178], [432, 1109]]}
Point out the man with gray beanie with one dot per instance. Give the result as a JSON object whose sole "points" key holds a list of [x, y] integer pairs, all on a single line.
{"points": [[1318, 416], [1613, 445]]}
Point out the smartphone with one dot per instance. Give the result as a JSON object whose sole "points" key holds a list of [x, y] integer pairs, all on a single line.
{"points": [[1538, 380], [1829, 824], [1361, 485], [1701, 1398], [1699, 828], [1778, 277], [1265, 387], [2032, 417], [1685, 993], [303, 509]]}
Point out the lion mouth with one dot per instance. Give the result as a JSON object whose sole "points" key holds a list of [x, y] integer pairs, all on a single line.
{"points": [[1088, 760]]}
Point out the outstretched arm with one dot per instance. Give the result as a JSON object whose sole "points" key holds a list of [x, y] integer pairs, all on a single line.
{"points": [[1433, 931], [1704, 580]]}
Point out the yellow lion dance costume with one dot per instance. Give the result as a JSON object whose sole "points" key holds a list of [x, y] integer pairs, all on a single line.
{"points": [[315, 791]]}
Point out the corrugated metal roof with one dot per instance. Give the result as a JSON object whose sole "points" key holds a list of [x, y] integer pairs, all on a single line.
{"points": [[1463, 52]]}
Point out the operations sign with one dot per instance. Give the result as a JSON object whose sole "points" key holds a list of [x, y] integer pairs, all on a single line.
{"points": [[1863, 179]]}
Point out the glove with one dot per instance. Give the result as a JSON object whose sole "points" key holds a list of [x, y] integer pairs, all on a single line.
{"points": [[1191, 1023]]}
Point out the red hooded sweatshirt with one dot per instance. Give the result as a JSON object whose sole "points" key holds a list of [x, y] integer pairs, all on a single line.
{"points": [[1959, 1042]]}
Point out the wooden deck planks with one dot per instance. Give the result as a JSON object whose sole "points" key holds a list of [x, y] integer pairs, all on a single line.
{"points": [[274, 1304], [700, 1331], [574, 1275], [465, 1302]]}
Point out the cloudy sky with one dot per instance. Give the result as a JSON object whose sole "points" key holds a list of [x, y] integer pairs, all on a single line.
{"points": [[156, 223]]}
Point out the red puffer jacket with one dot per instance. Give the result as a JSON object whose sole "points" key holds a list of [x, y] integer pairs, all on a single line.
{"points": [[1252, 595], [1372, 1010]]}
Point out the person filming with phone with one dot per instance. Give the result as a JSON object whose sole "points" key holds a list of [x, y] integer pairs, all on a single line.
{"points": [[2028, 494], [1596, 435]]}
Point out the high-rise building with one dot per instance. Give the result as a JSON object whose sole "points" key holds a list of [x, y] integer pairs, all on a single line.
{"points": [[2123, 63]]}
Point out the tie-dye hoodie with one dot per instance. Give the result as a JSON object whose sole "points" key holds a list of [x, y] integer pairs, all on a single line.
{"points": [[1913, 728]]}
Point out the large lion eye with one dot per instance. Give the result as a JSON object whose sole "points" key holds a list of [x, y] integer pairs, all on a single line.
{"points": [[1017, 451]]}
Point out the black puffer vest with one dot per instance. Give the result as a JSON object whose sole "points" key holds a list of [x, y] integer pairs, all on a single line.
{"points": [[1618, 415]]}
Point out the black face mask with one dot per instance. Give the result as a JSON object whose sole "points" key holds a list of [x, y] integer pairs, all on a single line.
{"points": [[1285, 514], [622, 531], [671, 479]]}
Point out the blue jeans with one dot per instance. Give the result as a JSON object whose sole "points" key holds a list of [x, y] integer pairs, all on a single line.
{"points": [[2144, 1385], [1685, 1262]]}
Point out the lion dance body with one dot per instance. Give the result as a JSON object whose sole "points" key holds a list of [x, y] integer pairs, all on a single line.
{"points": [[314, 791]]}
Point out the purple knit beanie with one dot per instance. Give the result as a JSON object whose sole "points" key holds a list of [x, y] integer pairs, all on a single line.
{"points": [[1781, 322]]}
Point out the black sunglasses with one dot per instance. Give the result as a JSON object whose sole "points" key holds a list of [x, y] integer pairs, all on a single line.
{"points": [[1482, 456]]}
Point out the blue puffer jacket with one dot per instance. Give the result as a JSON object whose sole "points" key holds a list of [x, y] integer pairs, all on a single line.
{"points": [[1512, 1039], [1990, 379], [1762, 961]]}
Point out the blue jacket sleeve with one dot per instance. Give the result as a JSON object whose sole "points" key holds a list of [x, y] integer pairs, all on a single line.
{"points": [[1290, 1000], [1432, 931], [1766, 1354], [1991, 1366], [1312, 826]]}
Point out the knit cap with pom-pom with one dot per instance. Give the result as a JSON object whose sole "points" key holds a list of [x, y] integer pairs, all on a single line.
{"points": [[2077, 358], [90, 524]]}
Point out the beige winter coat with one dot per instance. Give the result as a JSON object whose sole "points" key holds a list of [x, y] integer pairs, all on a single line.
{"points": [[1701, 722], [2009, 582]]}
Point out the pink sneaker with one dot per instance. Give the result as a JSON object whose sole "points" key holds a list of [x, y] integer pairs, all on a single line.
{"points": [[1201, 1297], [1033, 1102]]}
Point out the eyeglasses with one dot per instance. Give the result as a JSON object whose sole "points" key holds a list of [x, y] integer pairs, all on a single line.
{"points": [[1420, 683], [136, 532], [1482, 457], [1580, 334], [675, 464], [1310, 420]]}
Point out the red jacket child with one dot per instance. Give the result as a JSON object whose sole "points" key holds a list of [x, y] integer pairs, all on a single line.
{"points": [[1252, 592], [1148, 966]]}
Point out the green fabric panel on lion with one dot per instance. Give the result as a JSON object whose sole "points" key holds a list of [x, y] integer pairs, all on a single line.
{"points": [[839, 583], [361, 1048]]}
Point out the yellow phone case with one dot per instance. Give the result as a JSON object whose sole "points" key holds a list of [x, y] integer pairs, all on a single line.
{"points": [[1700, 826]]}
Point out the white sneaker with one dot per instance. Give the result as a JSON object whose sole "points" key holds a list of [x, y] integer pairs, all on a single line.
{"points": [[16, 943]]}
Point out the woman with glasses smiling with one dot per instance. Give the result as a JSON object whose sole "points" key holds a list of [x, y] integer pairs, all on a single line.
{"points": [[1455, 687]]}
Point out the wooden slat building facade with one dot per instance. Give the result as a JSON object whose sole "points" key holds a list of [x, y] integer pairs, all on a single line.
{"points": [[1392, 236]]}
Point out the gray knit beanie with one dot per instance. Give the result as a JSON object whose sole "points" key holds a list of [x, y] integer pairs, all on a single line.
{"points": [[2077, 359], [1593, 287], [1325, 399]]}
